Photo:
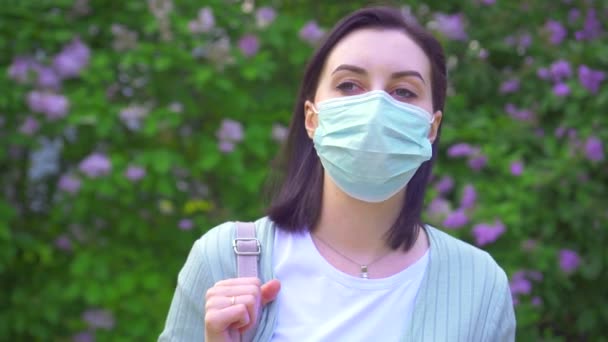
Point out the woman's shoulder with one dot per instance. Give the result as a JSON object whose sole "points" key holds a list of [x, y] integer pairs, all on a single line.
{"points": [[465, 283], [225, 232], [470, 261], [214, 250]]}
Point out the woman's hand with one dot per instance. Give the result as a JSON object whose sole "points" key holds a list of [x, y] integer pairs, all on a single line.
{"points": [[233, 306]]}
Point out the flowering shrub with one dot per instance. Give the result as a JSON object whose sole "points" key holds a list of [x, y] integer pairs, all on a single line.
{"points": [[128, 131]]}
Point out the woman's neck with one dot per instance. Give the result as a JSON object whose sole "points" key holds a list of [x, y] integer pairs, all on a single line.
{"points": [[356, 227]]}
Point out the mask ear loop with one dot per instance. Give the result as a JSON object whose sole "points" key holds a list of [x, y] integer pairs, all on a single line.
{"points": [[314, 108]]}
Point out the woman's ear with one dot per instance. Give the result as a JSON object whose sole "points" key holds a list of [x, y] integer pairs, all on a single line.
{"points": [[437, 116], [311, 118]]}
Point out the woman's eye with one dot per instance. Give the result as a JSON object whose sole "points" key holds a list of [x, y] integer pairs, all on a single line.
{"points": [[403, 93], [348, 87]]}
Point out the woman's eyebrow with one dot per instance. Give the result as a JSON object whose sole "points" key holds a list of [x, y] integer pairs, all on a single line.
{"points": [[361, 71], [348, 67], [408, 73]]}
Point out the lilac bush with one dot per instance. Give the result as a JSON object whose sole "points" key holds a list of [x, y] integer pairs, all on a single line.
{"points": [[129, 131]]}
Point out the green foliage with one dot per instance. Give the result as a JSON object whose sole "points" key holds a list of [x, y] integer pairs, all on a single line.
{"points": [[114, 244]]}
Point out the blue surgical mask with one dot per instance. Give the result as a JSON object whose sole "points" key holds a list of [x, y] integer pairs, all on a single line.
{"points": [[371, 144]]}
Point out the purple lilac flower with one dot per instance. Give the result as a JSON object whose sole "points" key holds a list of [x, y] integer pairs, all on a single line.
{"points": [[63, 243], [478, 162], [543, 73], [539, 132], [517, 168], [487, 233], [469, 197], [560, 70], [72, 59], [29, 126], [229, 133], [569, 260], [592, 28], [279, 132], [132, 116], [594, 149], [185, 224], [519, 284], [451, 26], [483, 53], [135, 173], [264, 16], [509, 86], [53, 105], [56, 106], [83, 336], [524, 41], [311, 32], [536, 301], [47, 77], [573, 15], [249, 45], [445, 185], [561, 90], [35, 100], [461, 150], [557, 32], [204, 22], [69, 184], [534, 275], [519, 114], [95, 165], [98, 319], [456, 219], [488, 2], [21, 68], [590, 79], [560, 132], [206, 19], [230, 130], [226, 146], [439, 208]]}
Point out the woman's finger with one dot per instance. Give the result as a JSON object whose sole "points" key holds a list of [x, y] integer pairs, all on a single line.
{"points": [[235, 290], [239, 281], [232, 317], [252, 303]]}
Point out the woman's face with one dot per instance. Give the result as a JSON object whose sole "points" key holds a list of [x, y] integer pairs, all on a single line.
{"points": [[376, 59]]}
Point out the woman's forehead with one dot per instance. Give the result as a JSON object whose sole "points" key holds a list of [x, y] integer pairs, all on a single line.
{"points": [[378, 50]]}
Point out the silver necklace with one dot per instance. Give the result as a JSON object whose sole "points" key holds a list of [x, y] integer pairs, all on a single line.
{"points": [[362, 267]]}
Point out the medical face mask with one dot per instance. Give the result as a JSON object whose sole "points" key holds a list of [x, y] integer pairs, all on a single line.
{"points": [[371, 144]]}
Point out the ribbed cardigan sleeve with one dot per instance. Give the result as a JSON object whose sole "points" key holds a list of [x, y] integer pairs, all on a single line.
{"points": [[212, 259], [502, 321], [464, 296], [207, 262]]}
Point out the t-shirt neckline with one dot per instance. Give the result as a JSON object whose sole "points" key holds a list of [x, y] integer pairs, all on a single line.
{"points": [[417, 269]]}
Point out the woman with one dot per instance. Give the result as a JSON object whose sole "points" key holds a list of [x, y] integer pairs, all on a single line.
{"points": [[345, 256]]}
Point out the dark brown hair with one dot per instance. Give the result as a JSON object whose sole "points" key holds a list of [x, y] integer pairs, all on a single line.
{"points": [[297, 204]]}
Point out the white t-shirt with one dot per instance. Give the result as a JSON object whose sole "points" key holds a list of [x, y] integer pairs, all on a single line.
{"points": [[317, 302]]}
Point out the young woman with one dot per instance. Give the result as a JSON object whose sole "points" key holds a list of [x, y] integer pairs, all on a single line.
{"points": [[345, 256]]}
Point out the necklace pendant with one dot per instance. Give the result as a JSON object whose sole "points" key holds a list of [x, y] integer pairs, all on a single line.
{"points": [[364, 272]]}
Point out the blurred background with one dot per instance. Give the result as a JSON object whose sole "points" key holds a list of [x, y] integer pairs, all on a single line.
{"points": [[129, 128]]}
